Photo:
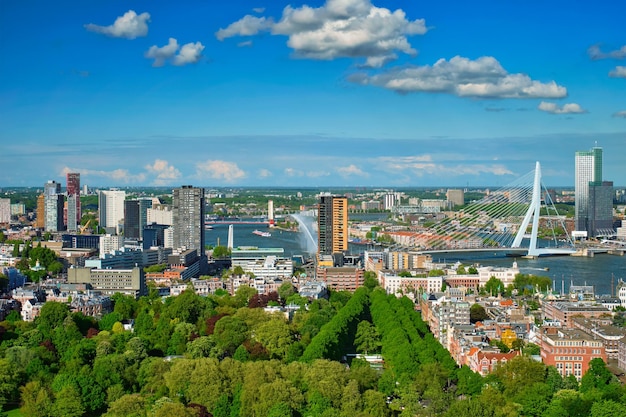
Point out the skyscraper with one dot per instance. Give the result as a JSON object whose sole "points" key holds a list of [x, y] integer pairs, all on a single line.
{"points": [[111, 210], [188, 218], [593, 197], [332, 222], [135, 217], [53, 206], [73, 214]]}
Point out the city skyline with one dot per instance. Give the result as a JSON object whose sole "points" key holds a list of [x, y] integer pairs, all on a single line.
{"points": [[314, 94]]}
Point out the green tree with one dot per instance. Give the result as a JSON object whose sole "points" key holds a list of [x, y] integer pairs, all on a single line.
{"points": [[286, 290], [367, 339], [220, 252], [36, 400], [494, 286], [130, 405], [608, 408], [230, 332], [478, 313], [52, 315], [68, 403], [436, 273], [275, 336]]}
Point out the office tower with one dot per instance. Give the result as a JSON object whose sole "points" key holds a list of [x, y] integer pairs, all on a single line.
{"points": [[131, 219], [5, 211], [601, 208], [455, 197], [332, 225], [593, 196], [111, 210], [53, 206], [135, 217], [73, 214], [188, 218]]}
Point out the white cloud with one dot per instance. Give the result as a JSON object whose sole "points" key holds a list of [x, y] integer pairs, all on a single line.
{"points": [[244, 43], [290, 172], [596, 53], [339, 28], [116, 175], [618, 72], [130, 26], [553, 108], [165, 173], [421, 165], [463, 77], [620, 114], [259, 9], [351, 170], [246, 26], [190, 53], [264, 173], [220, 170]]}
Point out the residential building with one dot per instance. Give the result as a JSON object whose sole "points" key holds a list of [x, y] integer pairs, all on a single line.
{"points": [[188, 218], [569, 350], [563, 311], [333, 227], [111, 210], [485, 362], [455, 197], [40, 219], [5, 211], [18, 209], [110, 243], [341, 278]]}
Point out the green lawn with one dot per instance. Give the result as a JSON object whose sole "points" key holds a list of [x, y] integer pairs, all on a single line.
{"points": [[12, 413]]}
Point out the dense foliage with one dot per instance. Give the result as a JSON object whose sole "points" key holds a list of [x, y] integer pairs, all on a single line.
{"points": [[228, 357]]}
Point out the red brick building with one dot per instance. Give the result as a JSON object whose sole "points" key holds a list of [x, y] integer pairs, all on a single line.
{"points": [[569, 350]]}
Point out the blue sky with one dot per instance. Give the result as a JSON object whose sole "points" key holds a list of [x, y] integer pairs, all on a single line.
{"points": [[315, 93]]}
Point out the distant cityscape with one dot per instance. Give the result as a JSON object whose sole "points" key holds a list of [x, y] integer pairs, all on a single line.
{"points": [[128, 241]]}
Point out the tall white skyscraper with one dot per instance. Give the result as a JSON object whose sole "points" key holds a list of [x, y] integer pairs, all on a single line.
{"points": [[593, 196], [53, 200], [111, 210]]}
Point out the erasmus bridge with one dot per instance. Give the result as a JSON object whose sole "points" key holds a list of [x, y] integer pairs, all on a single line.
{"points": [[501, 222]]}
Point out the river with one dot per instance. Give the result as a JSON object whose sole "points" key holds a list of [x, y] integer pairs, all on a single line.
{"points": [[597, 271]]}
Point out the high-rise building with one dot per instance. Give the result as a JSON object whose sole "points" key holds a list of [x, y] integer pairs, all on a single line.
{"points": [[40, 221], [5, 211], [455, 197], [135, 217], [111, 210], [53, 206], [73, 214], [593, 196], [131, 219], [188, 218], [332, 225], [160, 214]]}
